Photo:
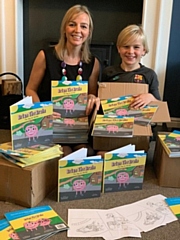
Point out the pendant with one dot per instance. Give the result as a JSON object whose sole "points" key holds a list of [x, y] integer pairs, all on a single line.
{"points": [[79, 78]]}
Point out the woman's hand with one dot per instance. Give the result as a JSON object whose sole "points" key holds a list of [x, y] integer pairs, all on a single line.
{"points": [[92, 100], [141, 100]]}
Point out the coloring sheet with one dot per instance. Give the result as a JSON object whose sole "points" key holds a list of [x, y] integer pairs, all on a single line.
{"points": [[148, 213], [124, 221], [99, 223]]}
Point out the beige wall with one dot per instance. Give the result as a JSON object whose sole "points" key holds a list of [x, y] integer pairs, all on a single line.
{"points": [[156, 22], [11, 36]]}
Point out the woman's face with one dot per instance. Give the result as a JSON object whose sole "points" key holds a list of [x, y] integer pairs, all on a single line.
{"points": [[77, 29]]}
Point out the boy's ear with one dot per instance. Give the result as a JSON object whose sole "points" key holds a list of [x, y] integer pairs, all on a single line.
{"points": [[118, 48]]}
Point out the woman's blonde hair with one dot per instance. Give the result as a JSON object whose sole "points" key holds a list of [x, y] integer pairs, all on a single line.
{"points": [[131, 33], [61, 46]]}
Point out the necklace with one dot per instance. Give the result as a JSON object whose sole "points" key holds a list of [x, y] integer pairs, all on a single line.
{"points": [[64, 72]]}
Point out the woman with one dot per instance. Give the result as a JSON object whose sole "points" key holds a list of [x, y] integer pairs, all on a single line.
{"points": [[70, 59]]}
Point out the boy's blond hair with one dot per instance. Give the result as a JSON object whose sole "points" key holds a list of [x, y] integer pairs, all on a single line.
{"points": [[131, 33]]}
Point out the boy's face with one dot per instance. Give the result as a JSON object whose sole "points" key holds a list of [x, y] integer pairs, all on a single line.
{"points": [[131, 54]]}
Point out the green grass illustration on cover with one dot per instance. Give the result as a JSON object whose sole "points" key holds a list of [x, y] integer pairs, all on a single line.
{"points": [[31, 123], [116, 126], [123, 171], [35, 223], [79, 176], [69, 98]]}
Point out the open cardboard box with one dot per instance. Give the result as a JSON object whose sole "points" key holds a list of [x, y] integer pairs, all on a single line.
{"points": [[166, 168], [27, 186], [141, 133]]}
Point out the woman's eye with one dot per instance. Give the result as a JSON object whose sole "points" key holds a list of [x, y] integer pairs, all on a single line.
{"points": [[84, 26]]}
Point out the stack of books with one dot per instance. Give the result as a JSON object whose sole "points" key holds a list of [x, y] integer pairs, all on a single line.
{"points": [[29, 156], [31, 134], [174, 204], [171, 143], [70, 100], [32, 223]]}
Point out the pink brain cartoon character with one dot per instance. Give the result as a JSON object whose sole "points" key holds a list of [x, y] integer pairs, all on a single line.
{"points": [[31, 131], [14, 236], [122, 178], [44, 222], [121, 112], [31, 225], [68, 105], [112, 128], [79, 185], [69, 121]]}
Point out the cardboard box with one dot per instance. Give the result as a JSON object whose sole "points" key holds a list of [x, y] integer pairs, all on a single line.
{"points": [[27, 186], [141, 134], [166, 168]]}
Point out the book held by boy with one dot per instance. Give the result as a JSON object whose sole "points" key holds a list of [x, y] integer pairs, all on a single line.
{"points": [[122, 107]]}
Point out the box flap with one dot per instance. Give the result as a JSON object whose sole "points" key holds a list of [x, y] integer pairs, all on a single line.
{"points": [[162, 113], [142, 130], [114, 90]]}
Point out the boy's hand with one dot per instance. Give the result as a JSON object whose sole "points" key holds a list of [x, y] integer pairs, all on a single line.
{"points": [[141, 100]]}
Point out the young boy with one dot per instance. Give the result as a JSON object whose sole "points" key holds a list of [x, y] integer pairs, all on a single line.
{"points": [[132, 46]]}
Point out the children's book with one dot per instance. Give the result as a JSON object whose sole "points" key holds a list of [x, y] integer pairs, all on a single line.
{"points": [[6, 231], [116, 126], [35, 223], [31, 123], [70, 101], [171, 143], [123, 170], [122, 107], [69, 98], [174, 205], [79, 176], [26, 158]]}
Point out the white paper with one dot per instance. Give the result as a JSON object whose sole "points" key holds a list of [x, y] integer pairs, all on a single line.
{"points": [[26, 100], [148, 214], [99, 223]]}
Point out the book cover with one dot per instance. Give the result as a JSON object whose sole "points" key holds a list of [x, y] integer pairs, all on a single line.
{"points": [[79, 177], [123, 171], [69, 98], [171, 144], [116, 126], [28, 160], [70, 101], [174, 205], [35, 223], [6, 231], [122, 107], [31, 123]]}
